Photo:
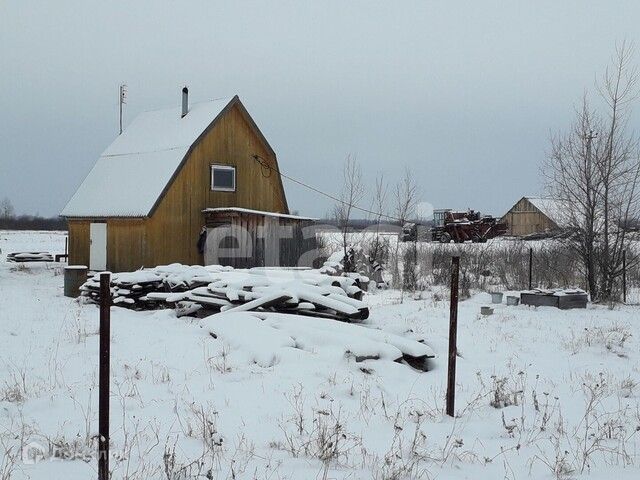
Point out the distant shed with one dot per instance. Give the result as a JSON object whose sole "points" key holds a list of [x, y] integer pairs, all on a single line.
{"points": [[243, 238], [535, 215]]}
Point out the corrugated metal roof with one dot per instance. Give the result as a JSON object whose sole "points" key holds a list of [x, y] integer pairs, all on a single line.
{"points": [[553, 208], [133, 171]]}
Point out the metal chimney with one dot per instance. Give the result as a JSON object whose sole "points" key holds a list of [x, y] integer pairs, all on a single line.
{"points": [[185, 101]]}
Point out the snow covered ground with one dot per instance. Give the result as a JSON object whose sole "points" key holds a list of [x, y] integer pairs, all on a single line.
{"points": [[541, 393]]}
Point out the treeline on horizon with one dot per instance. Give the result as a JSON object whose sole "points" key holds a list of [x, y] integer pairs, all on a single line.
{"points": [[32, 222]]}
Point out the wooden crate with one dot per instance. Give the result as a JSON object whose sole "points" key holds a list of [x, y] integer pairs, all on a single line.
{"points": [[563, 302], [573, 300]]}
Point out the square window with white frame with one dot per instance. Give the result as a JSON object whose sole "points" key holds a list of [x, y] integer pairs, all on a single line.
{"points": [[223, 178]]}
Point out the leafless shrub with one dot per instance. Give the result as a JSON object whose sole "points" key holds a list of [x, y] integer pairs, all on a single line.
{"points": [[612, 337], [410, 270], [174, 469], [206, 428], [320, 434], [133, 458], [21, 268], [628, 387], [12, 393], [78, 329], [76, 448], [506, 392], [602, 433], [220, 363], [559, 464], [497, 266], [406, 457], [242, 455], [9, 458], [15, 389], [160, 373]]}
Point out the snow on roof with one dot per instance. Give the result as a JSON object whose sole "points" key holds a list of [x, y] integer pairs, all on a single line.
{"points": [[257, 212], [553, 208], [133, 171]]}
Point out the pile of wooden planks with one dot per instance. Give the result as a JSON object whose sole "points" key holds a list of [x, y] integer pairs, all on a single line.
{"points": [[329, 340], [23, 257], [196, 290], [128, 289]]}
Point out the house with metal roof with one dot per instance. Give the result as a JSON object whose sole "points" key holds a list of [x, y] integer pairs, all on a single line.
{"points": [[147, 199]]}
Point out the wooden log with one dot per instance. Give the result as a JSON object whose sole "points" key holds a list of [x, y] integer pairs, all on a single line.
{"points": [[263, 302], [208, 301], [340, 307]]}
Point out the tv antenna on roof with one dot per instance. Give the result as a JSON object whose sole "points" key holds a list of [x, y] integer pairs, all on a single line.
{"points": [[122, 101]]}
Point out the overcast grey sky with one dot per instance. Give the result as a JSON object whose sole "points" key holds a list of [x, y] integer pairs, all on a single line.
{"points": [[463, 93]]}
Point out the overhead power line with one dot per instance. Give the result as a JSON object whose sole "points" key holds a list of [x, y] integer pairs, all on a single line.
{"points": [[264, 164]]}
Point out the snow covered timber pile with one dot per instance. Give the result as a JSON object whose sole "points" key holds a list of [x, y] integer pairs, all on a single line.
{"points": [[274, 335], [205, 290], [22, 257]]}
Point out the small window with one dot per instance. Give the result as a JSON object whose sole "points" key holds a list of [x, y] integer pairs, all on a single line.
{"points": [[223, 178]]}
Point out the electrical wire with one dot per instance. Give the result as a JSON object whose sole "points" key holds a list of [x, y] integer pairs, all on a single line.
{"points": [[264, 164]]}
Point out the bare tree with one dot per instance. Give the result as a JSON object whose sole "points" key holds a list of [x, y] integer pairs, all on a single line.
{"points": [[350, 195], [619, 168], [379, 207], [571, 173], [595, 170], [406, 199], [6, 208]]}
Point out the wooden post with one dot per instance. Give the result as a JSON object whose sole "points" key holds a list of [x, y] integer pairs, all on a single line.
{"points": [[624, 276], [453, 334], [530, 268], [103, 393]]}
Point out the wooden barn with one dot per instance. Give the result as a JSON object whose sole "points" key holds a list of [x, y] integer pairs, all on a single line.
{"points": [[534, 215], [147, 200]]}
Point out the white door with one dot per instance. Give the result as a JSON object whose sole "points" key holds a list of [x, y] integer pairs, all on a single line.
{"points": [[98, 246]]}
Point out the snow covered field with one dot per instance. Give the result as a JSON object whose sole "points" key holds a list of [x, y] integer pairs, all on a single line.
{"points": [[541, 393]]}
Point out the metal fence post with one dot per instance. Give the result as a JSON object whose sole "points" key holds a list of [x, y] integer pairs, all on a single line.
{"points": [[453, 333], [530, 268], [624, 276], [103, 393]]}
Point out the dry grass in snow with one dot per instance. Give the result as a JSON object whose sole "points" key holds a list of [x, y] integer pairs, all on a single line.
{"points": [[541, 393]]}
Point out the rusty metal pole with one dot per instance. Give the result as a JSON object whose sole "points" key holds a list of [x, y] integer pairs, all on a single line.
{"points": [[103, 393], [530, 268], [624, 276], [453, 334]]}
